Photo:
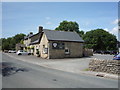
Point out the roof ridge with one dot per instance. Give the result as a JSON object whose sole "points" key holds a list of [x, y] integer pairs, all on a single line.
{"points": [[60, 31], [64, 35]]}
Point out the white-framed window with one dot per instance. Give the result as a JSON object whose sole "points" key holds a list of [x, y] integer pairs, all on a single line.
{"points": [[67, 51], [45, 50]]}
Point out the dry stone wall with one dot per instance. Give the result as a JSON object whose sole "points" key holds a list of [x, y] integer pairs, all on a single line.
{"points": [[108, 66], [88, 52]]}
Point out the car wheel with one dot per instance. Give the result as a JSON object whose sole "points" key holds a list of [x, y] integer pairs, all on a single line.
{"points": [[28, 53], [19, 54]]}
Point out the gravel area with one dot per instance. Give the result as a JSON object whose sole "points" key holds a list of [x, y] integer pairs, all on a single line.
{"points": [[103, 56], [74, 65], [69, 64]]}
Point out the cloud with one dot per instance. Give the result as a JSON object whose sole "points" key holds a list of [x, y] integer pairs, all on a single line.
{"points": [[114, 30], [106, 29], [115, 21], [49, 23]]}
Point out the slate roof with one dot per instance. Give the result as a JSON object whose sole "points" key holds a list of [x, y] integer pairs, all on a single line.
{"points": [[37, 40], [28, 36], [57, 36], [34, 42], [62, 36]]}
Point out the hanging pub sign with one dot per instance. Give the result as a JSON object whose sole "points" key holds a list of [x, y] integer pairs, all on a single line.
{"points": [[58, 45]]}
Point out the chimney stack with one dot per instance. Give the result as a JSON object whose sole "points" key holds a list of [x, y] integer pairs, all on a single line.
{"points": [[40, 29]]}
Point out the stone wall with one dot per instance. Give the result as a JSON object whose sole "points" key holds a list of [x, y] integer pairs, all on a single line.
{"points": [[75, 49], [44, 44], [27, 42], [88, 52], [108, 66]]}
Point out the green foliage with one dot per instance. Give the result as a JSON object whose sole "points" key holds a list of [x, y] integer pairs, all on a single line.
{"points": [[28, 47], [32, 47], [68, 26], [87, 69], [9, 43], [22, 41], [100, 39], [81, 33], [18, 37]]}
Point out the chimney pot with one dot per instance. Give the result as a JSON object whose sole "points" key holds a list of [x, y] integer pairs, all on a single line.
{"points": [[40, 29]]}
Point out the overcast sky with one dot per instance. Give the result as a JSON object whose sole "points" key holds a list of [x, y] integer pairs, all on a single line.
{"points": [[21, 17]]}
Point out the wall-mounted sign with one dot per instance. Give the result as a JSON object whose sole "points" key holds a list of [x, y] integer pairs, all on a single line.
{"points": [[55, 45], [58, 45]]}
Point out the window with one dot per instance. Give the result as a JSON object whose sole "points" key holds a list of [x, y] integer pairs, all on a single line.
{"points": [[43, 46], [45, 50], [67, 51], [37, 51]]}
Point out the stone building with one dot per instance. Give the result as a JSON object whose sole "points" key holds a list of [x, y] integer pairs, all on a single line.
{"points": [[56, 44], [31, 41], [60, 44], [19, 46]]}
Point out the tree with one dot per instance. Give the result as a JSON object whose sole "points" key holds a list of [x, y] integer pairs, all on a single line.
{"points": [[10, 42], [5, 44], [81, 33], [68, 26], [100, 39], [22, 41], [18, 37]]}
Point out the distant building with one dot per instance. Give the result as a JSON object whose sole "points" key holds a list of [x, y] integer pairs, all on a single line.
{"points": [[20, 46]]}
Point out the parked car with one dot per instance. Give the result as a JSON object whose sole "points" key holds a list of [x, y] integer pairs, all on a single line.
{"points": [[105, 52], [22, 52], [113, 52], [116, 57], [98, 52], [11, 51], [5, 51]]}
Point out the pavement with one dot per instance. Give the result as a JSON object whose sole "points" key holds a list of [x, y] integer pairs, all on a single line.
{"points": [[73, 65], [29, 75]]}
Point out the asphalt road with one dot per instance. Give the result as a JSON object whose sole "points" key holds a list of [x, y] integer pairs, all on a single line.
{"points": [[26, 75]]}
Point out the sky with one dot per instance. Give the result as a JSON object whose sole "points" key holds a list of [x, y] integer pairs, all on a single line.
{"points": [[25, 17]]}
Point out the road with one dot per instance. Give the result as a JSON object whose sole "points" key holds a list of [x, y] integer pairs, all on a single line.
{"points": [[26, 75]]}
